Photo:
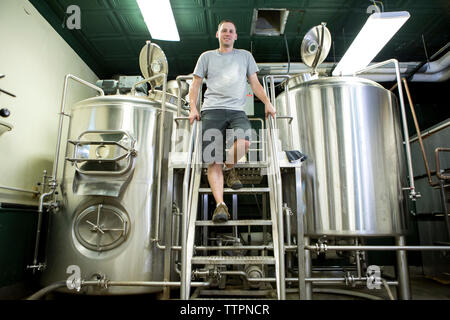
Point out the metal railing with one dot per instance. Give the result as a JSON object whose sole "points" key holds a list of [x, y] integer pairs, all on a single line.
{"points": [[187, 199], [276, 197], [412, 189]]}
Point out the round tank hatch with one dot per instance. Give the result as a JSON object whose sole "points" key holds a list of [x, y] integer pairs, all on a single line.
{"points": [[101, 227], [153, 61], [315, 45]]}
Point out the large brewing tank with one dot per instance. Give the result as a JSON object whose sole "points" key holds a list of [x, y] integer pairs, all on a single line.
{"points": [[106, 221], [350, 130]]}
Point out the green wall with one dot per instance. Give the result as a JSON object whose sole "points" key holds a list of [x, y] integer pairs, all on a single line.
{"points": [[17, 238]]}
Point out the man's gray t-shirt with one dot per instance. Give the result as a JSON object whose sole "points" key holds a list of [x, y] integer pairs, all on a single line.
{"points": [[226, 78]]}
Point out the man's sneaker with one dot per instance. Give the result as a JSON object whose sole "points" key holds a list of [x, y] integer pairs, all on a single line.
{"points": [[221, 213], [231, 179]]}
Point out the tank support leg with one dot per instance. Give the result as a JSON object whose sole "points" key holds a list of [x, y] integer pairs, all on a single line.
{"points": [[404, 290], [169, 220], [308, 268], [301, 252]]}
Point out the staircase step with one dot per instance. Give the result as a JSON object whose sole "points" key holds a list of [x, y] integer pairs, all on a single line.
{"points": [[259, 164], [234, 223], [240, 191], [233, 260]]}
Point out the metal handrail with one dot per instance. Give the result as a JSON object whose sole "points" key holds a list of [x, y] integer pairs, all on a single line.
{"points": [[130, 152], [61, 118], [419, 135], [276, 176], [276, 182], [261, 141], [274, 101], [412, 190], [52, 181], [186, 191]]}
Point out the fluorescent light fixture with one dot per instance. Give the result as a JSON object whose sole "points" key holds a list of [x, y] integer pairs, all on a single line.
{"points": [[158, 17], [380, 27]]}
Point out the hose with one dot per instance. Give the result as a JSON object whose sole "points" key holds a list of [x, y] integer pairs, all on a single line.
{"points": [[348, 293], [44, 291], [388, 289]]}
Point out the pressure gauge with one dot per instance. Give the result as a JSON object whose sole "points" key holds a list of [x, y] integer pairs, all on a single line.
{"points": [[101, 227]]}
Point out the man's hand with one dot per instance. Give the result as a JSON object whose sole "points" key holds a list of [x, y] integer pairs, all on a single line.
{"points": [[270, 110], [258, 91], [193, 114], [193, 96]]}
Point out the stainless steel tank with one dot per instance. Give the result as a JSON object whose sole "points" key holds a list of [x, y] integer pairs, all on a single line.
{"points": [[350, 130], [108, 193]]}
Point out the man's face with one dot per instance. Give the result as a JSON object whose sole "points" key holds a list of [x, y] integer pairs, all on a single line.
{"points": [[226, 35]]}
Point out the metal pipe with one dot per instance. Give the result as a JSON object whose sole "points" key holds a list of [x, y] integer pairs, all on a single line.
{"points": [[144, 283], [420, 65], [324, 247], [402, 269], [19, 190], [38, 228], [430, 132], [334, 280], [412, 189], [308, 280], [107, 283], [416, 124], [179, 79], [358, 261]]}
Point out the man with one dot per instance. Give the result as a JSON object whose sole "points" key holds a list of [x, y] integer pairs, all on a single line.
{"points": [[226, 71]]}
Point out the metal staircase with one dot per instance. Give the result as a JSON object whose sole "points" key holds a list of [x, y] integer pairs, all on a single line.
{"points": [[192, 181]]}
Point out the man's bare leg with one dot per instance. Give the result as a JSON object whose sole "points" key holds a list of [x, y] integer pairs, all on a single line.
{"points": [[239, 149], [215, 179]]}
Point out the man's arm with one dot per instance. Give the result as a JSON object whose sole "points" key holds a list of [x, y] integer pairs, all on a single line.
{"points": [[193, 98], [258, 90]]}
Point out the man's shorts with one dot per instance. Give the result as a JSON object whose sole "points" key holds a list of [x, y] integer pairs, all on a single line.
{"points": [[216, 133]]}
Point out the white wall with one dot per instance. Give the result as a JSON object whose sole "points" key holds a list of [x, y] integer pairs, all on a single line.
{"points": [[35, 60]]}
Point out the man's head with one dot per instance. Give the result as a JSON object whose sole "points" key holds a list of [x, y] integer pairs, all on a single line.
{"points": [[226, 33]]}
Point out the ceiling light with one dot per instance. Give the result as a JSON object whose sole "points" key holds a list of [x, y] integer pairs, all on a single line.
{"points": [[380, 27], [158, 17]]}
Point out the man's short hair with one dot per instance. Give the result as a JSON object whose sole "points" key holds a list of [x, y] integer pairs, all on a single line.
{"points": [[224, 21]]}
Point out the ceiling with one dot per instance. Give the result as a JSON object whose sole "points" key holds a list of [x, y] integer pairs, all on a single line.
{"points": [[113, 32]]}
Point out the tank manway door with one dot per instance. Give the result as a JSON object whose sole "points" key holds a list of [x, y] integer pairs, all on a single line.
{"points": [[103, 160], [101, 227]]}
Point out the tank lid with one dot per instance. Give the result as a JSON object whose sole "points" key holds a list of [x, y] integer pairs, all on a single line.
{"points": [[315, 46], [153, 61]]}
